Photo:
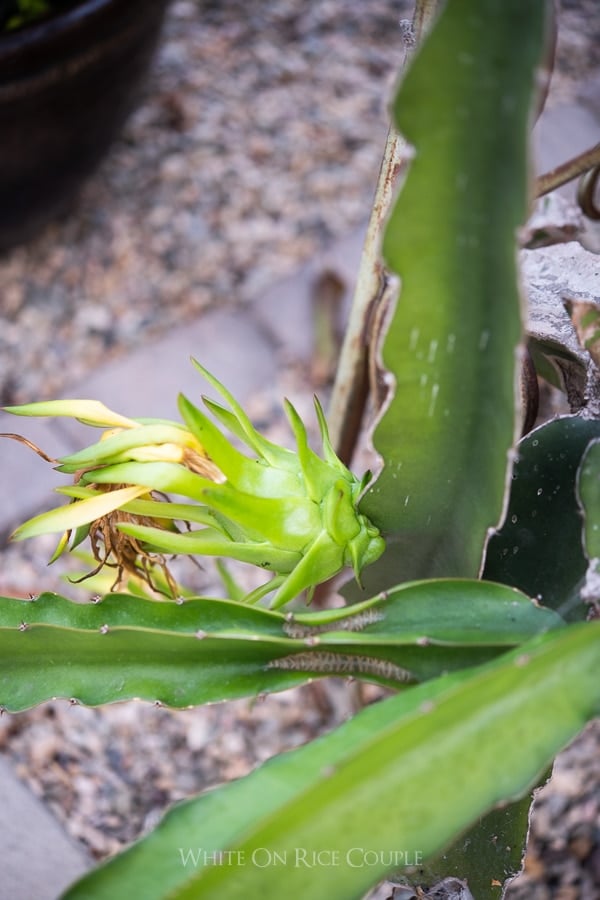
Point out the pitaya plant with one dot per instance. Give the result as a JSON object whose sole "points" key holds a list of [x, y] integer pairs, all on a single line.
{"points": [[480, 615]]}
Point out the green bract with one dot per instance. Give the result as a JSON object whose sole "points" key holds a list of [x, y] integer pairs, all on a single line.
{"points": [[292, 513]]}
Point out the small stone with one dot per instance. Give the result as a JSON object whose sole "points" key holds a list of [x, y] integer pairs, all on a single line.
{"points": [[583, 838]]}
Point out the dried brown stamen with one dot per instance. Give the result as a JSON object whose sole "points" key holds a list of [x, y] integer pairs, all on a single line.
{"points": [[112, 548]]}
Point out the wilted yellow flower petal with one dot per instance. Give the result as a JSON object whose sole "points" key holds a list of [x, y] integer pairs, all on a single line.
{"points": [[65, 518]]}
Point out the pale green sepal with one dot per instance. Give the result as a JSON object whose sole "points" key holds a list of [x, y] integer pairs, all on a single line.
{"points": [[339, 515], [262, 590], [328, 452], [249, 475], [77, 491], [78, 537], [285, 522], [160, 476], [321, 561], [62, 545], [272, 453], [365, 548], [231, 461], [318, 476], [209, 543], [269, 451], [183, 512]]}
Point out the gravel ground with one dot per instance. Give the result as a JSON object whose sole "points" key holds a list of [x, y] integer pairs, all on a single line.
{"points": [[563, 856], [258, 140]]}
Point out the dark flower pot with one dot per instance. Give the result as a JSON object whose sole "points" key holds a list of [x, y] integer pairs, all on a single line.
{"points": [[66, 87]]}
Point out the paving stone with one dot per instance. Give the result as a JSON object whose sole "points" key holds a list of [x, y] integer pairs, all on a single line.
{"points": [[38, 859], [146, 383], [562, 133], [285, 310]]}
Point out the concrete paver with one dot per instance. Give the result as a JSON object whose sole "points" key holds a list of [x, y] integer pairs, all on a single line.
{"points": [[38, 859], [561, 133], [285, 309], [230, 343]]}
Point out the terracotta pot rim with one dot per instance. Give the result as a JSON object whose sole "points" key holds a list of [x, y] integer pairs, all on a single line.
{"points": [[66, 87], [57, 26]]}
